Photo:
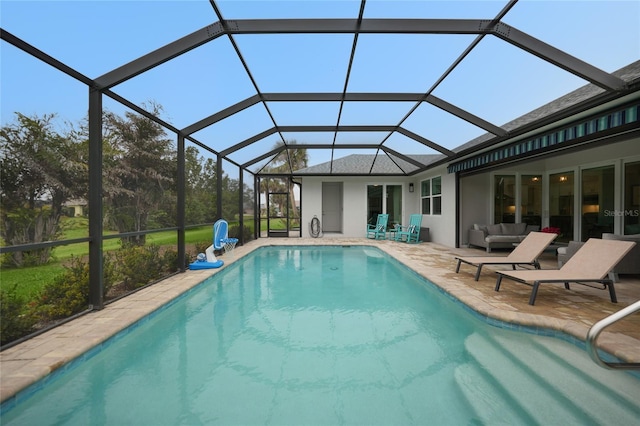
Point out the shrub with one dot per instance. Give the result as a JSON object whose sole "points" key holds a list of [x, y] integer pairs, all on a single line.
{"points": [[170, 260], [109, 272], [16, 317], [190, 257], [247, 233], [138, 265], [68, 293], [202, 246]]}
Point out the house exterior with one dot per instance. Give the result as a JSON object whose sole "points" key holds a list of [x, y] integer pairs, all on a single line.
{"points": [[76, 207], [579, 172]]}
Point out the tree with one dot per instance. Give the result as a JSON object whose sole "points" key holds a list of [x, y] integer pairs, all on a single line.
{"points": [[40, 171], [200, 178], [139, 167]]}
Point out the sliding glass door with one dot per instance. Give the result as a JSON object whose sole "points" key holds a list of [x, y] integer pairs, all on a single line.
{"points": [[531, 199], [504, 207], [561, 199], [374, 203], [384, 199], [597, 202]]}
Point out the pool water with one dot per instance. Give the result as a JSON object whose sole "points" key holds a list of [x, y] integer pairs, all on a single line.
{"points": [[328, 336]]}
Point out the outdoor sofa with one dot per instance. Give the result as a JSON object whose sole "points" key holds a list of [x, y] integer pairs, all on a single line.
{"points": [[501, 235]]}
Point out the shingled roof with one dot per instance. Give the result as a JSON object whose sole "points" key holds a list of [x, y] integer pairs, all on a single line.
{"points": [[367, 164], [630, 74]]}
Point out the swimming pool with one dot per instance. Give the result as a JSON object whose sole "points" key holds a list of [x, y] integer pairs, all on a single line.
{"points": [[328, 335]]}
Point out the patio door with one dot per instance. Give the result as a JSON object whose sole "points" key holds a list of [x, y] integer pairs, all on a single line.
{"points": [[384, 199], [561, 204], [598, 189], [374, 203], [393, 204]]}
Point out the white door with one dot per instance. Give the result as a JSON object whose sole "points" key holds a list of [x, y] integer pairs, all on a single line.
{"points": [[332, 206]]}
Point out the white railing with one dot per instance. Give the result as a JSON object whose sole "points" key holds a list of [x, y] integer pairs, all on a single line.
{"points": [[597, 328]]}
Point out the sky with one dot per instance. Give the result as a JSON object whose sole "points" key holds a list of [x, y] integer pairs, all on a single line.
{"points": [[496, 81]]}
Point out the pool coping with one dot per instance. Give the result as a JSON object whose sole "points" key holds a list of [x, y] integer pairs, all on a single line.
{"points": [[29, 362]]}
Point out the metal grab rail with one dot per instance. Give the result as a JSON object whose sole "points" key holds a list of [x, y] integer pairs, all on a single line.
{"points": [[597, 328]]}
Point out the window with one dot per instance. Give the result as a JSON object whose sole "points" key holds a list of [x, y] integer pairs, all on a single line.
{"points": [[431, 195], [531, 199], [597, 202], [561, 198], [504, 207]]}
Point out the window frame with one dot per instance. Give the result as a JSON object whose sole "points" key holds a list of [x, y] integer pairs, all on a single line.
{"points": [[432, 195]]}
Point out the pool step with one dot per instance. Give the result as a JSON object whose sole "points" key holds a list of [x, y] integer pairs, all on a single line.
{"points": [[545, 387], [480, 393], [586, 388], [512, 382], [624, 387]]}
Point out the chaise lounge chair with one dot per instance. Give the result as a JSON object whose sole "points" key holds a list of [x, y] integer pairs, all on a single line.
{"points": [[591, 263], [526, 253], [379, 230], [410, 232]]}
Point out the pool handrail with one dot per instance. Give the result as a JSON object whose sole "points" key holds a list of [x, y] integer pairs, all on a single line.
{"points": [[598, 327]]}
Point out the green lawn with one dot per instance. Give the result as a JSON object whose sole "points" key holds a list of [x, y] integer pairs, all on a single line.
{"points": [[274, 223], [30, 279]]}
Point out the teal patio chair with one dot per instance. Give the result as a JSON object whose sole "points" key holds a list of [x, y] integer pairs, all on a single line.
{"points": [[410, 232], [379, 230]]}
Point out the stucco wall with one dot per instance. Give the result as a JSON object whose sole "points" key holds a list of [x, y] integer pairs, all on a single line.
{"points": [[475, 190], [441, 227], [354, 218]]}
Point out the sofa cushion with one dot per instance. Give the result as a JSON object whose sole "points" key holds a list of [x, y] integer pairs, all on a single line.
{"points": [[502, 239], [513, 228], [608, 236], [531, 228], [494, 229]]}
